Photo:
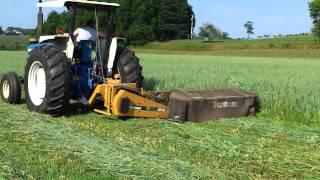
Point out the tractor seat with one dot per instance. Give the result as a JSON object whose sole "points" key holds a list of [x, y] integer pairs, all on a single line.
{"points": [[83, 51]]}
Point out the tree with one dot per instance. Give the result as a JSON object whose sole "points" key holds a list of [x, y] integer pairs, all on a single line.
{"points": [[139, 21], [140, 25], [1, 31], [210, 32], [173, 19], [225, 35], [249, 26], [314, 8], [54, 21]]}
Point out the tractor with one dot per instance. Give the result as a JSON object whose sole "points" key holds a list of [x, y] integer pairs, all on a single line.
{"points": [[58, 69], [107, 77]]}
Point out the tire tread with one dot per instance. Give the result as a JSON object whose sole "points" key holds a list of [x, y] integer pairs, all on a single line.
{"points": [[58, 77], [129, 67]]}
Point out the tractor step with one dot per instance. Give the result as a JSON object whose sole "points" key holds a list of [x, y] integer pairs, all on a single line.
{"points": [[204, 105]]}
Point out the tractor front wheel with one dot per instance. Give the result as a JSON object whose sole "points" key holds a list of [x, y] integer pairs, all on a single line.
{"points": [[129, 67], [47, 81]]}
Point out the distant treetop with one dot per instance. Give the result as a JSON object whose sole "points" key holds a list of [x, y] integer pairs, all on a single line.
{"points": [[314, 7], [139, 21]]}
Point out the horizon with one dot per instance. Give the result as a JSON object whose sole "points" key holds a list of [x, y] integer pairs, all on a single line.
{"points": [[229, 17]]}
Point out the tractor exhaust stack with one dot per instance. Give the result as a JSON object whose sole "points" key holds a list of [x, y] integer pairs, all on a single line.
{"points": [[40, 21]]}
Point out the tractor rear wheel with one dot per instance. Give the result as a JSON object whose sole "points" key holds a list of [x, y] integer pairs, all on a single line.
{"points": [[129, 67], [10, 88], [47, 81]]}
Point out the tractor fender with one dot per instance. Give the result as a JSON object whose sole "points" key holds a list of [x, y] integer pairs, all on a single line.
{"points": [[32, 46], [112, 55], [63, 42]]}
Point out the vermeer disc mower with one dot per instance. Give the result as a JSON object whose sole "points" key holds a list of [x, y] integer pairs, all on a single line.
{"points": [[107, 77]]}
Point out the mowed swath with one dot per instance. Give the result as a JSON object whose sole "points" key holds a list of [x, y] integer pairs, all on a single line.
{"points": [[86, 145]]}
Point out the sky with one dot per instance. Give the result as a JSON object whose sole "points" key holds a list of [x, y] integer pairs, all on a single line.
{"points": [[270, 17]]}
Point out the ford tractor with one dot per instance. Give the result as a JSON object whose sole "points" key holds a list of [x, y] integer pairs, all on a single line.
{"points": [[107, 77]]}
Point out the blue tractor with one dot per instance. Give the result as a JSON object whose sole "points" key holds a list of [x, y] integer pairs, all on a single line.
{"points": [[59, 69]]}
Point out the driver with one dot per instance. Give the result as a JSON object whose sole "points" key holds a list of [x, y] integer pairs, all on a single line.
{"points": [[88, 32]]}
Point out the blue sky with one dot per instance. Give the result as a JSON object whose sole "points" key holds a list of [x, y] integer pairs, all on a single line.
{"points": [[269, 17]]}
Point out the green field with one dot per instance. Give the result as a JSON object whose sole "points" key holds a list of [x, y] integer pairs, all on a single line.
{"points": [[296, 42], [303, 47], [281, 142], [297, 46]]}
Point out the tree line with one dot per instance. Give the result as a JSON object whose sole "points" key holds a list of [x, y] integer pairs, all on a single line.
{"points": [[16, 31], [139, 21], [314, 7], [211, 32]]}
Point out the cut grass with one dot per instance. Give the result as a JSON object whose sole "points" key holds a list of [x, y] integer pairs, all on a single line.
{"points": [[93, 146], [279, 143]]}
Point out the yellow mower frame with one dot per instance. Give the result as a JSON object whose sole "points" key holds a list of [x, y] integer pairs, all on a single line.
{"points": [[125, 100]]}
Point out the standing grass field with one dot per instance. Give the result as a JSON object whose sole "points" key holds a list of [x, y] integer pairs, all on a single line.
{"points": [[297, 46]]}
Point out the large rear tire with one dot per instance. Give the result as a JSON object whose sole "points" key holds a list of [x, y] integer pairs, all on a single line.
{"points": [[48, 81], [129, 67], [10, 88]]}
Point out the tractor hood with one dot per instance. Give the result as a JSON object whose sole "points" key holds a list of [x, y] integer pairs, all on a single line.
{"points": [[62, 3]]}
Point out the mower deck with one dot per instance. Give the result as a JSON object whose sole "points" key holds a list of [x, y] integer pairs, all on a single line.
{"points": [[124, 100], [213, 104]]}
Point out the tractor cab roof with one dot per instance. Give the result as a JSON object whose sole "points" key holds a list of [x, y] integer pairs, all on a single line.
{"points": [[78, 3]]}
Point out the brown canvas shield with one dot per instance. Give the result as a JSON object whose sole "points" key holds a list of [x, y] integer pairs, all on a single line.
{"points": [[204, 105]]}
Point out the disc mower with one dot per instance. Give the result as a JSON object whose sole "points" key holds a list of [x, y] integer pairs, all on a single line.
{"points": [[107, 77]]}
